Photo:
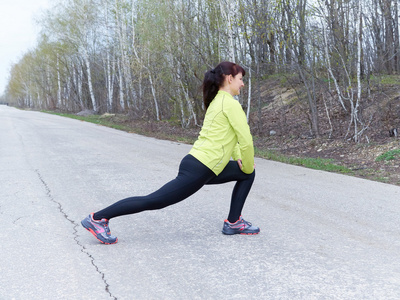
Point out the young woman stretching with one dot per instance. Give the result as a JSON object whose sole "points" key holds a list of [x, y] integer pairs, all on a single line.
{"points": [[225, 134]]}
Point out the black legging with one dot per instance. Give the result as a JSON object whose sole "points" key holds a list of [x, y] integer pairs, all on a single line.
{"points": [[191, 177]]}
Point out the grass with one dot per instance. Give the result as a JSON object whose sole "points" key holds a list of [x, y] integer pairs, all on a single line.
{"points": [[387, 79], [389, 155], [312, 163], [96, 119], [108, 121]]}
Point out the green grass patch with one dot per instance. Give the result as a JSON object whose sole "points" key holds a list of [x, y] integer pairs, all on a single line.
{"points": [[282, 77], [96, 119], [389, 155], [109, 121], [312, 163], [387, 79]]}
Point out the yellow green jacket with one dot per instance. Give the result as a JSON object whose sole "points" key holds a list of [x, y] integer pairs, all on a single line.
{"points": [[225, 134]]}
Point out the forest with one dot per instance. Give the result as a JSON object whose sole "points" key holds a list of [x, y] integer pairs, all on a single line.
{"points": [[147, 58]]}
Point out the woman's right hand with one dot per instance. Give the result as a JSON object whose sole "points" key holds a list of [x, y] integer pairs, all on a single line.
{"points": [[241, 164]]}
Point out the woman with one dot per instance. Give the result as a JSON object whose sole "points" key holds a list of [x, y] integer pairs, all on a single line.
{"points": [[225, 134]]}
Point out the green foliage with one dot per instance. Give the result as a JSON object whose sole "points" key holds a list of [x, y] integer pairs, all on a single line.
{"points": [[96, 119], [389, 155], [312, 163], [119, 123], [144, 56], [387, 79], [284, 78]]}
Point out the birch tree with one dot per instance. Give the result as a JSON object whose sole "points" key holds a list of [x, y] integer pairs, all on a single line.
{"points": [[147, 58], [75, 24]]}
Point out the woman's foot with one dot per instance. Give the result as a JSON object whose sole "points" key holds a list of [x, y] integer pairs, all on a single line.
{"points": [[99, 229], [239, 227]]}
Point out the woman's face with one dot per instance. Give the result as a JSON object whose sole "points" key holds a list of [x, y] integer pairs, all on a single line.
{"points": [[236, 84]]}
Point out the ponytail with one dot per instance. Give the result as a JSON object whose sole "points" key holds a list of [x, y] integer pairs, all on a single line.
{"points": [[214, 79]]}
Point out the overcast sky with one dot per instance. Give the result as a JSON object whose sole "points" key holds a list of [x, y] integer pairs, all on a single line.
{"points": [[18, 32]]}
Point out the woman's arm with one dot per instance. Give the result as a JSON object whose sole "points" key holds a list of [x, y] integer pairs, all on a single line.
{"points": [[238, 121]]}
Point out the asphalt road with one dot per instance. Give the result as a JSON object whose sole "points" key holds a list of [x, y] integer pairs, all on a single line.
{"points": [[323, 235]]}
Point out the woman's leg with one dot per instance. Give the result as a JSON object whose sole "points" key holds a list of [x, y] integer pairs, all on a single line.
{"points": [[191, 177], [242, 187]]}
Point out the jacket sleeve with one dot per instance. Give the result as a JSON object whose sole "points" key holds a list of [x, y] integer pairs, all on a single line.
{"points": [[238, 121], [236, 152]]}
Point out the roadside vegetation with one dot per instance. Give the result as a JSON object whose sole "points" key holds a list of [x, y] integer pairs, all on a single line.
{"points": [[389, 155], [322, 84]]}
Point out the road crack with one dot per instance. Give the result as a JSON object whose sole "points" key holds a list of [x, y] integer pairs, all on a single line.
{"points": [[75, 234]]}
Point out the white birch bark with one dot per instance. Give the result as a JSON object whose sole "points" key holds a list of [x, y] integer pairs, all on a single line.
{"points": [[59, 105], [123, 44], [48, 85], [89, 74], [153, 91], [76, 84], [80, 83], [329, 67], [111, 76], [183, 123], [143, 65], [75, 27], [359, 42], [109, 71], [121, 87], [109, 83], [140, 89], [226, 11], [249, 97], [192, 114]]}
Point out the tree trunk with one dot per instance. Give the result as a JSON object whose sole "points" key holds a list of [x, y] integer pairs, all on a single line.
{"points": [[153, 91], [389, 43], [359, 45], [249, 97], [121, 86], [89, 75], [302, 30], [396, 37], [59, 104]]}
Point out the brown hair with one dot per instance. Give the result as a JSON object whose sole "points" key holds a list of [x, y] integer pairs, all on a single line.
{"points": [[214, 79]]}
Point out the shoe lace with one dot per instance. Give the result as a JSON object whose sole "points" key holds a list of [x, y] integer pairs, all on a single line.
{"points": [[104, 223], [239, 222], [247, 223]]}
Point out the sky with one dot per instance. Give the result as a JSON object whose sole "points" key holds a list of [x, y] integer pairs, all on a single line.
{"points": [[18, 32]]}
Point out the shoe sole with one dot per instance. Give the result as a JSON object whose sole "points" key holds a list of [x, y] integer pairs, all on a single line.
{"points": [[241, 233], [95, 235]]}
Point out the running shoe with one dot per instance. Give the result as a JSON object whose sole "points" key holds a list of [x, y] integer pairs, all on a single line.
{"points": [[239, 227], [99, 229]]}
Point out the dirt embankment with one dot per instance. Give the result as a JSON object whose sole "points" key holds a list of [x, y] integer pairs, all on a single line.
{"points": [[281, 123]]}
